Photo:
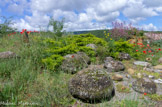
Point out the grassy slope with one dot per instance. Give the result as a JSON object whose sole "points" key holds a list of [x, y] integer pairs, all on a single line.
{"points": [[23, 80]]}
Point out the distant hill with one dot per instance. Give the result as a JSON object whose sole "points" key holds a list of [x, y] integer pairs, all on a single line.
{"points": [[98, 33]]}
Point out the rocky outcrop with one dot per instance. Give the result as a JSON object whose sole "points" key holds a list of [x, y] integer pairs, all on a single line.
{"points": [[91, 85], [75, 62], [112, 65], [144, 85]]}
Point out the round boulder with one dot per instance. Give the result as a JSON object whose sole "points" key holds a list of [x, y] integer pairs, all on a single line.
{"points": [[92, 85], [144, 85], [75, 62]]}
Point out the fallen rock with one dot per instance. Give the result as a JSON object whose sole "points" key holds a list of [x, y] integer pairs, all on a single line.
{"points": [[112, 65], [124, 56], [91, 85], [75, 62], [8, 54], [131, 71], [117, 77], [160, 60], [144, 85], [142, 63]]}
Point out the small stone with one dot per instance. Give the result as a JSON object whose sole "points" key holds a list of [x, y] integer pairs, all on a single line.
{"points": [[131, 71], [144, 74], [139, 75], [158, 81], [117, 77], [124, 56], [158, 71], [150, 76], [128, 76], [148, 69]]}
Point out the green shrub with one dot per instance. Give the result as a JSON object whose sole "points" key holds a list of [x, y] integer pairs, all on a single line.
{"points": [[69, 45], [122, 46]]}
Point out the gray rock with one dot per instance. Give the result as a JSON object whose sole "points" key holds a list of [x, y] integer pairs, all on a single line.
{"points": [[124, 56], [112, 65], [142, 63], [91, 85], [75, 62], [148, 69], [93, 46], [8, 54], [160, 60], [144, 85], [159, 81], [150, 76]]}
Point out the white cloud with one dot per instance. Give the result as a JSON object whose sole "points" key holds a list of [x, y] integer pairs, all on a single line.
{"points": [[79, 14], [159, 9], [138, 11], [154, 3], [37, 19], [22, 24], [15, 8], [149, 27], [107, 6]]}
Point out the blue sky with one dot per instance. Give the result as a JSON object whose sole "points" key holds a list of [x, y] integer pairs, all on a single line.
{"points": [[83, 14]]}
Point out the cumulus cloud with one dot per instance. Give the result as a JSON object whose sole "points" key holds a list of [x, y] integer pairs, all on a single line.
{"points": [[82, 14], [22, 24], [154, 3], [149, 27]]}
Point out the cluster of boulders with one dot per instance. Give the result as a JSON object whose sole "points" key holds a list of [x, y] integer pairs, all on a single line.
{"points": [[93, 83]]}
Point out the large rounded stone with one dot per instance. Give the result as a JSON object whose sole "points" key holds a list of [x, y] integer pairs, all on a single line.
{"points": [[144, 85], [75, 62], [112, 65], [92, 85]]}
